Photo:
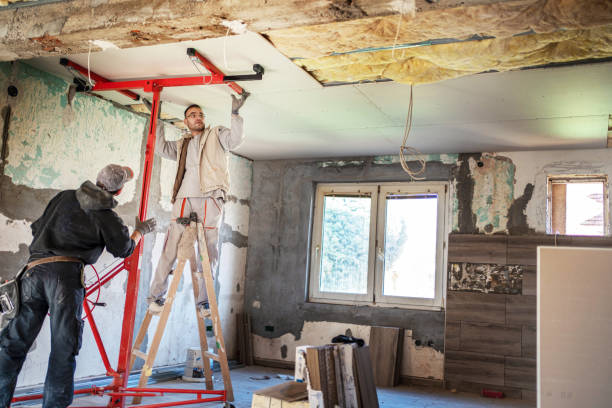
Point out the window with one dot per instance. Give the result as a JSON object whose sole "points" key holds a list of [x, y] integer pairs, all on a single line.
{"points": [[379, 244], [578, 205]]}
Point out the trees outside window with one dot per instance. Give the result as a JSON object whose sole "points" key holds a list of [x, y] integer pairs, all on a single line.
{"points": [[379, 244]]}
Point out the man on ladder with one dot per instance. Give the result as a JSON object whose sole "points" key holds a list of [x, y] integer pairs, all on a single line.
{"points": [[201, 185]]}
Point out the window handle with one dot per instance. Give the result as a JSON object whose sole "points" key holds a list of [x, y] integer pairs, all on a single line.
{"points": [[380, 253]]}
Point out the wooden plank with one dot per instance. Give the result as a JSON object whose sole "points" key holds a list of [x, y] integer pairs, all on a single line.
{"points": [[474, 367], [522, 249], [491, 339], [521, 310], [398, 358], [475, 307], [365, 377], [384, 344], [452, 336], [479, 248], [529, 341], [529, 395], [288, 391], [241, 337], [584, 241], [330, 392], [312, 362], [250, 356], [339, 382], [530, 280], [520, 373], [351, 396]]}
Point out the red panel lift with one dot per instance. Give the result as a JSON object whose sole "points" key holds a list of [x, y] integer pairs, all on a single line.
{"points": [[118, 390]]}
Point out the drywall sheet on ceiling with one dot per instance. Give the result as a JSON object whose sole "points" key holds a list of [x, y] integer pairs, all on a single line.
{"points": [[232, 55], [420, 65], [574, 327]]}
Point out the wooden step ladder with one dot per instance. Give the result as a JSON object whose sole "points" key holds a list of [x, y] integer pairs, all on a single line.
{"points": [[186, 252]]}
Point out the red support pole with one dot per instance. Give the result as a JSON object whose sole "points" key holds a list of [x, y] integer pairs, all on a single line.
{"points": [[99, 79], [133, 267], [98, 339]]}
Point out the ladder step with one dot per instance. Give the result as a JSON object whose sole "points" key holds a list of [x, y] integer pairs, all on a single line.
{"points": [[213, 356], [139, 354]]}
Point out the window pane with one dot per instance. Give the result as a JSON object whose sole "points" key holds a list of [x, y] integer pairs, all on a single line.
{"points": [[584, 209], [345, 242], [410, 246]]}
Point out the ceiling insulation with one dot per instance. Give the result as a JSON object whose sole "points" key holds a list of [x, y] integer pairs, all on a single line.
{"points": [[419, 65], [498, 20]]}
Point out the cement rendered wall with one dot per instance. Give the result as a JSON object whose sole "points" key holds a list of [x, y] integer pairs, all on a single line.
{"points": [[54, 145], [491, 193]]}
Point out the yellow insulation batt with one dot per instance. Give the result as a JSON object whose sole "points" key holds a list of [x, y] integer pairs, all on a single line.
{"points": [[418, 65], [498, 20]]}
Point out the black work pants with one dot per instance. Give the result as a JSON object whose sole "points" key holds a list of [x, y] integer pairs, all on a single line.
{"points": [[56, 288]]}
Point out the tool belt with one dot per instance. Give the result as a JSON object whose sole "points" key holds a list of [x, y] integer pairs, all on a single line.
{"points": [[50, 260], [9, 291]]}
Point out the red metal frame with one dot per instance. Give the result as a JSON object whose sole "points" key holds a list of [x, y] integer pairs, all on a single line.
{"points": [[118, 390]]}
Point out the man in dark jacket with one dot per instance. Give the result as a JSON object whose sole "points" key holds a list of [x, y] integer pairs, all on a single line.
{"points": [[73, 231]]}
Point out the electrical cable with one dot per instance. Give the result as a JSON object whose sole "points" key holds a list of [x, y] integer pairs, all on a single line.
{"points": [[411, 151], [397, 31], [88, 59]]}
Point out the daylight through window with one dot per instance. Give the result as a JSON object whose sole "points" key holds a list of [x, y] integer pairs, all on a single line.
{"points": [[379, 243]]}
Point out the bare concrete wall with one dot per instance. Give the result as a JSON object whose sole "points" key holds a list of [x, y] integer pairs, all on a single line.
{"points": [[491, 193], [54, 144]]}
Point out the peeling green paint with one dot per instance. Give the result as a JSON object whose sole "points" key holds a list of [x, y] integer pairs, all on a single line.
{"points": [[493, 192], [443, 158], [53, 145]]}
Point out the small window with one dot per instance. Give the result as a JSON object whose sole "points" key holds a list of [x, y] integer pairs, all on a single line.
{"points": [[379, 244], [578, 205]]}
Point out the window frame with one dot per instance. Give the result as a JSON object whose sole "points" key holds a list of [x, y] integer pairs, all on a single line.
{"points": [[378, 191], [552, 179]]}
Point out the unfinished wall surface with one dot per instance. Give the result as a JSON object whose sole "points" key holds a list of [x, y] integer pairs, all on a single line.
{"points": [[54, 142], [492, 194]]}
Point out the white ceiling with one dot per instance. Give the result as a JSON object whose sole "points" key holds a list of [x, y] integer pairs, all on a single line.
{"points": [[289, 115]]}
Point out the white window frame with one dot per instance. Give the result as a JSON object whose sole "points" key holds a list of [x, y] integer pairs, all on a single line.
{"points": [[378, 193], [577, 178]]}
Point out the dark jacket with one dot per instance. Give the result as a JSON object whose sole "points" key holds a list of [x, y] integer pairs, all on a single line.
{"points": [[80, 223]]}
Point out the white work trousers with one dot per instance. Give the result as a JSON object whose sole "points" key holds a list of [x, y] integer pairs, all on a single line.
{"points": [[210, 212]]}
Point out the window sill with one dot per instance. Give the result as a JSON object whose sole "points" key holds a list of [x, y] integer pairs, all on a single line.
{"points": [[387, 305]]}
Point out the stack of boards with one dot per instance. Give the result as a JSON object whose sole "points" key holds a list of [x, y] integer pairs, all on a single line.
{"points": [[338, 374]]}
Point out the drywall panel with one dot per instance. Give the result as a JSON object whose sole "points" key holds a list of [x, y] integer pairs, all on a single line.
{"points": [[574, 327]]}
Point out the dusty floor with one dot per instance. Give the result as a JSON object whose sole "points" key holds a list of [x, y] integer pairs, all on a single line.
{"points": [[246, 380]]}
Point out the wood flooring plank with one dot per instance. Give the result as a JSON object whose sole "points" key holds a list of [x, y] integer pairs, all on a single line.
{"points": [[522, 249], [521, 310], [384, 346], [490, 339], [475, 307], [452, 336], [529, 341], [365, 377], [477, 248], [520, 373], [474, 367], [476, 388], [530, 280]]}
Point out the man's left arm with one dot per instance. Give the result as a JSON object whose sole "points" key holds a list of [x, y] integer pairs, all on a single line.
{"points": [[231, 138]]}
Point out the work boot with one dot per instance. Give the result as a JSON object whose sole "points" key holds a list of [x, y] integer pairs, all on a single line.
{"points": [[156, 306]]}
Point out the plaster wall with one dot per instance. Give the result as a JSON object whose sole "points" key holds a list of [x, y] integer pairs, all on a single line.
{"points": [[55, 143], [491, 193]]}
